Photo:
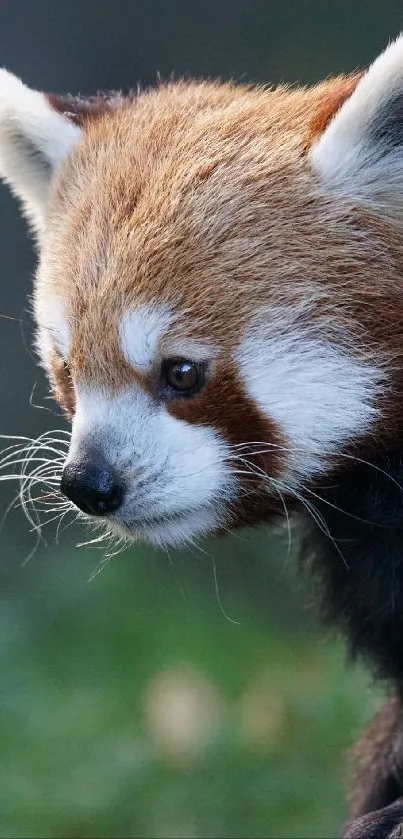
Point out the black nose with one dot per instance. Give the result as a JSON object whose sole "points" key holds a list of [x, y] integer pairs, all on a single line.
{"points": [[92, 486]]}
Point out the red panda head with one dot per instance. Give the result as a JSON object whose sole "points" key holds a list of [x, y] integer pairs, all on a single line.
{"points": [[218, 297]]}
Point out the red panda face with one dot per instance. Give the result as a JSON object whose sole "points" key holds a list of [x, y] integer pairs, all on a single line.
{"points": [[205, 301]]}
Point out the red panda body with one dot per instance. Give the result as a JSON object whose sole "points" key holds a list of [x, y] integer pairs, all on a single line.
{"points": [[220, 312]]}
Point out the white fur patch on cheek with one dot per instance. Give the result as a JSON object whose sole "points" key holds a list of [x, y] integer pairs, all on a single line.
{"points": [[320, 397], [140, 333], [53, 332]]}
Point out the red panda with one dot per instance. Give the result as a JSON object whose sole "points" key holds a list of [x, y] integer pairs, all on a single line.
{"points": [[219, 310]]}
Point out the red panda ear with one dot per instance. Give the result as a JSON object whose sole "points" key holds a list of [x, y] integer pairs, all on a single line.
{"points": [[35, 138], [336, 95], [359, 155], [37, 132], [80, 110]]}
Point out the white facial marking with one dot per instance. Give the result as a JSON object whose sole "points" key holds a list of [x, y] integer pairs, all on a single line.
{"points": [[54, 330], [320, 397], [191, 348], [144, 339], [140, 334], [175, 473], [34, 139]]}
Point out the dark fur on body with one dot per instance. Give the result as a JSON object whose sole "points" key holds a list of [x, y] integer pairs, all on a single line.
{"points": [[359, 564]]}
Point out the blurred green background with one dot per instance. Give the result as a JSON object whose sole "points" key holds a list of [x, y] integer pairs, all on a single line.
{"points": [[179, 695]]}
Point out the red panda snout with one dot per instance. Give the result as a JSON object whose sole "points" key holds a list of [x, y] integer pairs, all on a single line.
{"points": [[92, 484]]}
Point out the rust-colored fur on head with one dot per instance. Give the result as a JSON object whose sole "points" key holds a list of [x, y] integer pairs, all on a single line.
{"points": [[334, 96]]}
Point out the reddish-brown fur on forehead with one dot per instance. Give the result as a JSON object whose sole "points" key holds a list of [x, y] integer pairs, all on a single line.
{"points": [[182, 193], [328, 107]]}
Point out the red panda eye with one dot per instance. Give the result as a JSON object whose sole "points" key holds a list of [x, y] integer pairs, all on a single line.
{"points": [[183, 376]]}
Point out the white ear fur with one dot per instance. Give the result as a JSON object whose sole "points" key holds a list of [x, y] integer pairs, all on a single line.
{"points": [[360, 154], [34, 139]]}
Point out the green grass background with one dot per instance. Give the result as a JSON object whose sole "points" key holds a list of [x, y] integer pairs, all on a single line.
{"points": [[131, 706]]}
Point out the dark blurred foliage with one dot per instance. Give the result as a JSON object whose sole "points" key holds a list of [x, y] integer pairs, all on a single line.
{"points": [[133, 706]]}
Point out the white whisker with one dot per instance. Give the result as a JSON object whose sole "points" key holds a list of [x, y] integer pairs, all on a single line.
{"points": [[36, 463]]}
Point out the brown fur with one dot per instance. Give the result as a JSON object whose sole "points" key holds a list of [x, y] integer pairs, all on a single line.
{"points": [[223, 405], [373, 761], [328, 107]]}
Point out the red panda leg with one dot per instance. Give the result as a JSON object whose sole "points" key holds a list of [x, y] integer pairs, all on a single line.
{"points": [[377, 802]]}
